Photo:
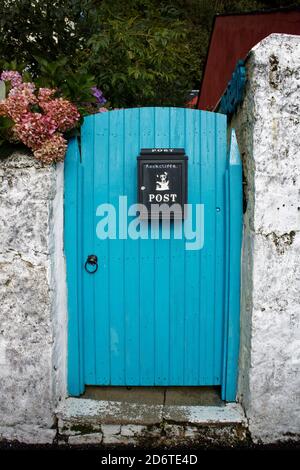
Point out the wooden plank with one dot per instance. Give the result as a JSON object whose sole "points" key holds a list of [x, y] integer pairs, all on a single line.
{"points": [[101, 190], [131, 253], [235, 241], [88, 223], [116, 251], [72, 229], [207, 280], [177, 271], [192, 257], [220, 269], [226, 293], [147, 270], [162, 270]]}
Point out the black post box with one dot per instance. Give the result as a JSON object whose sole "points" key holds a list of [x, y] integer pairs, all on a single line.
{"points": [[162, 182]]}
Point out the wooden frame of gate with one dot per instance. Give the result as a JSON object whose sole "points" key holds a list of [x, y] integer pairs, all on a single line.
{"points": [[74, 171]]}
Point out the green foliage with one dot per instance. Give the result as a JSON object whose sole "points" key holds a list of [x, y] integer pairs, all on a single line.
{"points": [[75, 86], [142, 55], [49, 29], [5, 145], [139, 52], [5, 124]]}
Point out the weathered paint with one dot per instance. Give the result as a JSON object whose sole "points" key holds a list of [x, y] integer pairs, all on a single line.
{"points": [[234, 221], [235, 90], [154, 313]]}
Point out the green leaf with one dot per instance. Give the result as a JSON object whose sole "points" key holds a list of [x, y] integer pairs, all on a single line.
{"points": [[5, 123]]}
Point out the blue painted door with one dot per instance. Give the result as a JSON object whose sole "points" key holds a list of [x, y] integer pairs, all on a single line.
{"points": [[154, 313]]}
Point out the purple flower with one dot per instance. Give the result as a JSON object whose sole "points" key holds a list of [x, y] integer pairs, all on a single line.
{"points": [[97, 93], [11, 76]]}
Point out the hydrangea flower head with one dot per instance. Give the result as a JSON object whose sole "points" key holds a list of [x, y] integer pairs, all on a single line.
{"points": [[15, 78], [97, 93], [39, 118], [62, 112], [52, 149]]}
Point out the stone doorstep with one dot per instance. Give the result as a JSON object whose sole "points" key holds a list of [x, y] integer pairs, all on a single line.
{"points": [[86, 421]]}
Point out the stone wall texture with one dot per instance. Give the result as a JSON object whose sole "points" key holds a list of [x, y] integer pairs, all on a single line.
{"points": [[268, 133], [29, 358]]}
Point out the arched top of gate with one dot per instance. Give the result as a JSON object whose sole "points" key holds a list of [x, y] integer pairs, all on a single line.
{"points": [[155, 109]]}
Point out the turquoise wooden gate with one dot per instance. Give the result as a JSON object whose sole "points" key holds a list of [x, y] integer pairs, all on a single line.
{"points": [[154, 313]]}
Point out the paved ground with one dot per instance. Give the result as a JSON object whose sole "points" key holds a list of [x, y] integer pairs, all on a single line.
{"points": [[179, 401], [132, 450]]}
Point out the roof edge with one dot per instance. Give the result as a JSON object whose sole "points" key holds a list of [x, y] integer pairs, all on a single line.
{"points": [[262, 11]]}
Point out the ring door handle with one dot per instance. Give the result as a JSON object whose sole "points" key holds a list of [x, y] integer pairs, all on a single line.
{"points": [[91, 264]]}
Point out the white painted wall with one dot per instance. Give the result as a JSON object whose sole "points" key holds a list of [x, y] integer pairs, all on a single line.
{"points": [[32, 298], [268, 133]]}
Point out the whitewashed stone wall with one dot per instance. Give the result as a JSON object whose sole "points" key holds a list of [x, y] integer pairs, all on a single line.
{"points": [[32, 299], [268, 133]]}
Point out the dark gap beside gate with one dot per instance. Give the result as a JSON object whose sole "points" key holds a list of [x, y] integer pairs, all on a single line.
{"points": [[169, 396]]}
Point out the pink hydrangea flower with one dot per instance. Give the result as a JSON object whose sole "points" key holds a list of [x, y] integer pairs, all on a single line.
{"points": [[52, 150], [102, 110], [34, 128], [62, 112], [19, 100], [15, 78], [40, 131], [15, 106], [45, 94], [26, 89], [3, 108]]}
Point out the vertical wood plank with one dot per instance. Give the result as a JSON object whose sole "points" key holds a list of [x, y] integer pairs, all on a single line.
{"points": [[131, 253], [210, 224], [88, 221], [207, 280], [162, 271], [177, 270], [220, 269], [147, 270], [226, 302], [101, 190], [192, 257], [73, 252], [116, 251], [235, 240]]}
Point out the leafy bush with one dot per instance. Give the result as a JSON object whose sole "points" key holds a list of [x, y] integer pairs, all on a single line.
{"points": [[138, 51]]}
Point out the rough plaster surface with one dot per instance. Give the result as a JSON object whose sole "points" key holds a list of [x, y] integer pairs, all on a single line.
{"points": [[268, 133], [31, 361]]}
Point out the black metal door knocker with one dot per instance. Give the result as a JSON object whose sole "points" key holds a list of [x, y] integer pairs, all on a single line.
{"points": [[91, 264]]}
